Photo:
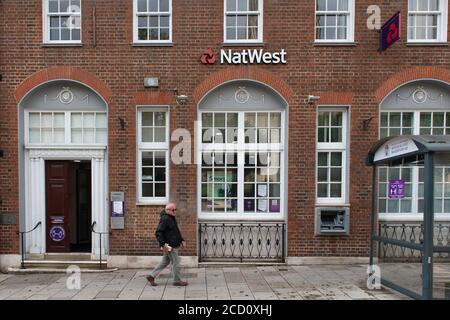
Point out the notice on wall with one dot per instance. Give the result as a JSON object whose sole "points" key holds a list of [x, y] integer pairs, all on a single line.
{"points": [[117, 210]]}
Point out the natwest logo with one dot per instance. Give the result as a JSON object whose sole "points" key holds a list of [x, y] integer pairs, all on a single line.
{"points": [[252, 56], [246, 56], [208, 57]]}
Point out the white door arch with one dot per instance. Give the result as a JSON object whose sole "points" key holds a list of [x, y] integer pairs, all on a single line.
{"points": [[61, 120]]}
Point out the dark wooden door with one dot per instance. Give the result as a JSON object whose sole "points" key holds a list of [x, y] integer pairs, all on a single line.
{"points": [[57, 202]]}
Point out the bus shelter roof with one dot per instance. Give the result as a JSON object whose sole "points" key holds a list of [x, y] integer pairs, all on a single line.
{"points": [[394, 148]]}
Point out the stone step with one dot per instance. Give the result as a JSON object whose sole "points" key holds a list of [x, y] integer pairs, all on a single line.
{"points": [[42, 270], [68, 256], [61, 264]]}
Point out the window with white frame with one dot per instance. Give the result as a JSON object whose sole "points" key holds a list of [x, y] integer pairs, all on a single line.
{"points": [[241, 164], [441, 188], [153, 155], [62, 21], [386, 204], [335, 20], [394, 123], [331, 156], [88, 127], [57, 128], [152, 20], [243, 20], [219, 181], [427, 20], [262, 182]]}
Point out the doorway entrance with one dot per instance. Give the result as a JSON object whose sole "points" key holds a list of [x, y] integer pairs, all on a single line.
{"points": [[68, 206]]}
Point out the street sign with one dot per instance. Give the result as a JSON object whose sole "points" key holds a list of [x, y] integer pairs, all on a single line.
{"points": [[396, 147], [390, 32]]}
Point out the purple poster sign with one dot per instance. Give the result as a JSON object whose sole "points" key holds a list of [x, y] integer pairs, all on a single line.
{"points": [[396, 189]]}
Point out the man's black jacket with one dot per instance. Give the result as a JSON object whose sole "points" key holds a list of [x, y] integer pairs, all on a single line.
{"points": [[168, 232]]}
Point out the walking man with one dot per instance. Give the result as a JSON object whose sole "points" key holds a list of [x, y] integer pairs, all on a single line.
{"points": [[170, 240]]}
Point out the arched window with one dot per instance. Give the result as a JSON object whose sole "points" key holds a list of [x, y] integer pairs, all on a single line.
{"points": [[65, 113], [416, 108], [242, 153]]}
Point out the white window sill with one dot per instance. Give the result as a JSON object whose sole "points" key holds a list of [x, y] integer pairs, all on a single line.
{"points": [[426, 43], [409, 217], [64, 146], [332, 205], [152, 203], [152, 44], [62, 44], [219, 217], [335, 43], [243, 44]]}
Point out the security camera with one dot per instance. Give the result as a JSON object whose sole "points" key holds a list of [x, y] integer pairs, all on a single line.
{"points": [[182, 99], [312, 98]]}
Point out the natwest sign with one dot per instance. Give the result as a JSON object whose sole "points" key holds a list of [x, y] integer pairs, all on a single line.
{"points": [[252, 56], [246, 56]]}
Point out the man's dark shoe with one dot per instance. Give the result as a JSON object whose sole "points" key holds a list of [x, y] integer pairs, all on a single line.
{"points": [[151, 280], [180, 283]]}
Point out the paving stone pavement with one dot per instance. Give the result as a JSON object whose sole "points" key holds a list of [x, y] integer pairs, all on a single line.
{"points": [[316, 282]]}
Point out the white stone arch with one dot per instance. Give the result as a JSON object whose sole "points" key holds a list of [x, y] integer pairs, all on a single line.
{"points": [[401, 97]]}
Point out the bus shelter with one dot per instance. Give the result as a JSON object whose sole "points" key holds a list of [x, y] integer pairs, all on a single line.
{"points": [[429, 278]]}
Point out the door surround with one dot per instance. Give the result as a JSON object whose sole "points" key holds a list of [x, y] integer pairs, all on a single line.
{"points": [[35, 193]]}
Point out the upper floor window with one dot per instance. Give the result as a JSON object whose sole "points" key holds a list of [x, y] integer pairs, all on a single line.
{"points": [[152, 21], [62, 21], [243, 20], [427, 20], [335, 20]]}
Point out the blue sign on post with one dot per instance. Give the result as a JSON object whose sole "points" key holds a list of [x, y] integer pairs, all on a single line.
{"points": [[390, 32]]}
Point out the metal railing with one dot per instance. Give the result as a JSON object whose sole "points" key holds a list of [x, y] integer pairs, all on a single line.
{"points": [[101, 234], [256, 242], [413, 233], [22, 243]]}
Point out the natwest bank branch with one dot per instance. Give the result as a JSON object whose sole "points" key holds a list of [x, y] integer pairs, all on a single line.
{"points": [[262, 145]]}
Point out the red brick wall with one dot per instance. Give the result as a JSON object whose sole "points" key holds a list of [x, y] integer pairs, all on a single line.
{"points": [[356, 75]]}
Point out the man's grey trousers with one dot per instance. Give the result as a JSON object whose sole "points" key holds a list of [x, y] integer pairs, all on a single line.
{"points": [[169, 257]]}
